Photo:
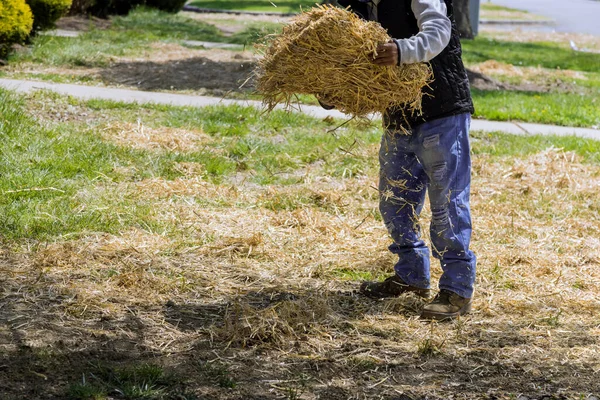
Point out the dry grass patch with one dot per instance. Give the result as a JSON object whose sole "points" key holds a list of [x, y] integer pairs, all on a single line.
{"points": [[143, 137], [49, 108], [41, 70], [531, 78], [583, 41], [233, 19], [259, 286], [159, 52], [538, 74]]}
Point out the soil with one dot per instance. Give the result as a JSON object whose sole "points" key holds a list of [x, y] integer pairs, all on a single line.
{"points": [[173, 67], [81, 23]]}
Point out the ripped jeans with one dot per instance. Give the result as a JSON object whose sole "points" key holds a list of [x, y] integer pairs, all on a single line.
{"points": [[435, 158]]}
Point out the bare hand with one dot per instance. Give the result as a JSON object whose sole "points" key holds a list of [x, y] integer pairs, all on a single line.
{"points": [[387, 54]]}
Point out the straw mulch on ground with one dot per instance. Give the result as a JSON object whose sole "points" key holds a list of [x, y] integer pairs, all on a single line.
{"points": [[327, 52]]}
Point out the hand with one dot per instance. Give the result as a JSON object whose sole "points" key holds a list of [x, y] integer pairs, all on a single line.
{"points": [[387, 54]]}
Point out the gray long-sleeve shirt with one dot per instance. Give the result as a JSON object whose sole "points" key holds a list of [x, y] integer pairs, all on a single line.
{"points": [[434, 31]]}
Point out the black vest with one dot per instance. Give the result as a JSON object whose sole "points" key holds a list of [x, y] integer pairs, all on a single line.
{"points": [[449, 93]]}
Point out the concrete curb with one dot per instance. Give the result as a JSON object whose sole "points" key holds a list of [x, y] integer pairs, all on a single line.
{"points": [[141, 97]]}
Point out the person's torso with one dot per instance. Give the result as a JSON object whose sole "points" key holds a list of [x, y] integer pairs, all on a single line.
{"points": [[449, 93]]}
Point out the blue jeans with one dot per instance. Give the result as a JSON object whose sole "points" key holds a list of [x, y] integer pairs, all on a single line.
{"points": [[435, 158]]}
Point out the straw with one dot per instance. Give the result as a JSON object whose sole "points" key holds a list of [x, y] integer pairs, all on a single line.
{"points": [[327, 52]]}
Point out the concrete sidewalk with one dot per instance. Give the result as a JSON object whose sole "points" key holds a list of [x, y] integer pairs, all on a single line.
{"points": [[137, 96]]}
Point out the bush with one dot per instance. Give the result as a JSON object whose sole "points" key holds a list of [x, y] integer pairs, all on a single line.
{"points": [[171, 6], [104, 8], [47, 12], [16, 22], [81, 7]]}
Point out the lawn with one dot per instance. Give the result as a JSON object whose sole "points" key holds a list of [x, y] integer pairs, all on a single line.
{"points": [[549, 82], [554, 84], [131, 36], [281, 6], [546, 55], [158, 252], [492, 11]]}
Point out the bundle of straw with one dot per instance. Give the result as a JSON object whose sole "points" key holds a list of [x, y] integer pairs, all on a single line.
{"points": [[327, 52]]}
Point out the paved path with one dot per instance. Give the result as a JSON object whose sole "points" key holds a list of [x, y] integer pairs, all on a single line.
{"points": [[136, 96], [575, 16]]}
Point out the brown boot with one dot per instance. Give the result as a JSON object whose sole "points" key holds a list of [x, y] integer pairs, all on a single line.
{"points": [[446, 305], [391, 287]]}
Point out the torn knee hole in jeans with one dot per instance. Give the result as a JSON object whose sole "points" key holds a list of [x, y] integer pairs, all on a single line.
{"points": [[439, 217], [439, 172], [431, 141]]}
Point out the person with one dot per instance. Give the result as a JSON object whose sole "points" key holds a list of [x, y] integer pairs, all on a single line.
{"points": [[433, 157]]}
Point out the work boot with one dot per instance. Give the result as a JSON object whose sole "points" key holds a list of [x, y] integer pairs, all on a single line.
{"points": [[391, 287], [446, 305]]}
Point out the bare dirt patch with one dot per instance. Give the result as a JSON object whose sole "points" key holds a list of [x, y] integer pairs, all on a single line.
{"points": [[532, 79], [81, 23], [172, 67]]}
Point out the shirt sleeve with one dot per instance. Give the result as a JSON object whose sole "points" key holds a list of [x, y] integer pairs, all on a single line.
{"points": [[434, 32]]}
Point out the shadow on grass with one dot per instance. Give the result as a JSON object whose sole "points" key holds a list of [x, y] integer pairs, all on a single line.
{"points": [[187, 74], [267, 343], [51, 350]]}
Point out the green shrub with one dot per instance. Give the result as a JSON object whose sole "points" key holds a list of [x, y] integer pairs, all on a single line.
{"points": [[81, 7], [47, 12], [16, 22], [171, 6], [104, 8]]}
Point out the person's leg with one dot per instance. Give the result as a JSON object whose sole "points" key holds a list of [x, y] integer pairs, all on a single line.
{"points": [[402, 188], [443, 148]]}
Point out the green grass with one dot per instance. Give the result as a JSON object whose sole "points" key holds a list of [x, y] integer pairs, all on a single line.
{"points": [[546, 55], [566, 109], [282, 6], [64, 180], [48, 174], [133, 382], [50, 77], [255, 33], [496, 12], [495, 7], [251, 141], [576, 107], [130, 36], [216, 372], [505, 145]]}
